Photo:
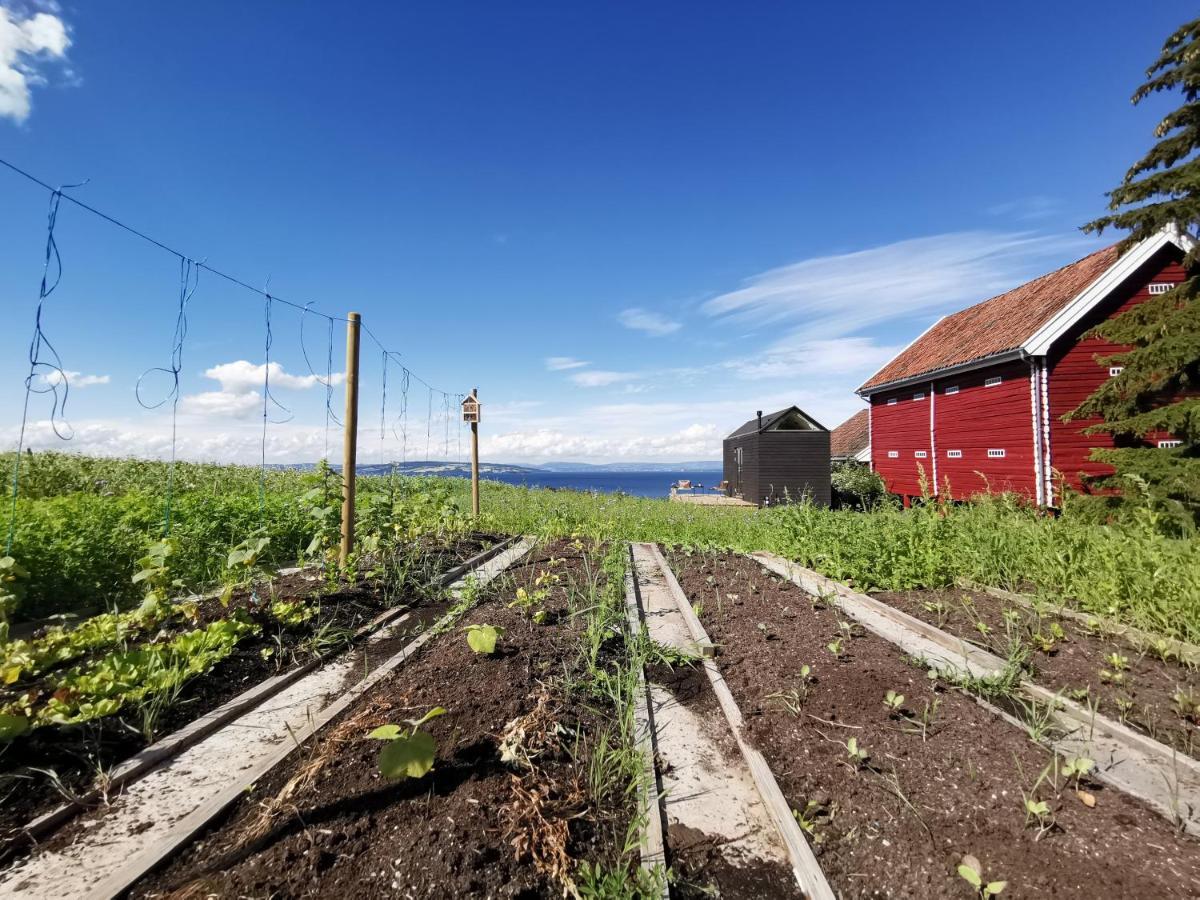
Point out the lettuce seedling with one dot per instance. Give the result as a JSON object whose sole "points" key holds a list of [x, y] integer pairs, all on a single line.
{"points": [[482, 638], [409, 752]]}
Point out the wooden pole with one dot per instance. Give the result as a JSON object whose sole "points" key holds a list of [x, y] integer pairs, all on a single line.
{"points": [[475, 460], [350, 437]]}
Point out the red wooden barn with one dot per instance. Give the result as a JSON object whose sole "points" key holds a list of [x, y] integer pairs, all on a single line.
{"points": [[976, 402]]}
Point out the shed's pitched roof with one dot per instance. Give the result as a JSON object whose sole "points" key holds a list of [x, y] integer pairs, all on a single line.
{"points": [[997, 325], [769, 419], [851, 437]]}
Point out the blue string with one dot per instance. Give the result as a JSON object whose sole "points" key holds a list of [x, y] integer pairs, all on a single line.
{"points": [[189, 280], [49, 370], [327, 381], [402, 419]]}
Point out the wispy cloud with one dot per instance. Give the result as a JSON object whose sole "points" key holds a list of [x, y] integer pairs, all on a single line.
{"points": [[828, 297], [1037, 206], [819, 360], [562, 363], [652, 323], [74, 379], [601, 378], [26, 45], [243, 376]]}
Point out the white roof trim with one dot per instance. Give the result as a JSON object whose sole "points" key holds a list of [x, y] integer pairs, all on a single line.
{"points": [[864, 455], [1065, 319]]}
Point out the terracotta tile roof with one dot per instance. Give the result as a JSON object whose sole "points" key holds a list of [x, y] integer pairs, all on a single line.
{"points": [[996, 325], [850, 437]]}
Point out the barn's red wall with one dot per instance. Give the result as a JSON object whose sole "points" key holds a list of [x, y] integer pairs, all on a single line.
{"points": [[903, 429], [1074, 373], [978, 419]]}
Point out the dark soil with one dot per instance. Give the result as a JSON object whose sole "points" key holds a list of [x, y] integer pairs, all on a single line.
{"points": [[1158, 697], [75, 754], [475, 825], [900, 824]]}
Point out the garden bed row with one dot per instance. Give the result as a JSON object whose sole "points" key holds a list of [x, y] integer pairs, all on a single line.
{"points": [[284, 624], [904, 784]]}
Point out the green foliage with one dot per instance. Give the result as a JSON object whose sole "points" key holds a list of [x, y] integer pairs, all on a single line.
{"points": [[855, 485], [12, 589], [971, 871], [409, 753], [1161, 190]]}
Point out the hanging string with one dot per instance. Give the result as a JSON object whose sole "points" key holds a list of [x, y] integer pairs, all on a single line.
{"points": [[268, 399], [189, 280], [402, 419], [428, 424], [383, 413], [49, 368], [327, 381], [459, 431]]}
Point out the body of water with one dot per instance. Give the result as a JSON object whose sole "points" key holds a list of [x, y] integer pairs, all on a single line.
{"points": [[639, 484]]}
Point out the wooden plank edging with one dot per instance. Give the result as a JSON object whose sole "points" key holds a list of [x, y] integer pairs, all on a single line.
{"points": [[653, 843], [805, 867]]}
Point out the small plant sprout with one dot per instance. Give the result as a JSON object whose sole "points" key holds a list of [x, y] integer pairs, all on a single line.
{"points": [[409, 752], [482, 638], [893, 701], [1117, 662], [815, 816], [1187, 704], [971, 872], [1124, 707], [1078, 766], [835, 646], [858, 755], [1038, 812]]}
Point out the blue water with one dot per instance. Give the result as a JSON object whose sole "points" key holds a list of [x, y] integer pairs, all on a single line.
{"points": [[639, 484]]}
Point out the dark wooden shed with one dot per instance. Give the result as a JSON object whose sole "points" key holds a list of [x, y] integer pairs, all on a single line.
{"points": [[779, 458]]}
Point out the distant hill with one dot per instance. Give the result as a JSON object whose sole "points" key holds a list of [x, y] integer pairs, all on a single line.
{"points": [[450, 467], [706, 465]]}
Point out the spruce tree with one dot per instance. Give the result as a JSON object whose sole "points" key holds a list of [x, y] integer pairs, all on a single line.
{"points": [[1151, 393]]}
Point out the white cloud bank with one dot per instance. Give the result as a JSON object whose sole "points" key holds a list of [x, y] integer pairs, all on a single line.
{"points": [[74, 379], [240, 396], [652, 323], [26, 44]]}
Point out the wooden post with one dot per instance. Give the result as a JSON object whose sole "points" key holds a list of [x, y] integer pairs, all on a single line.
{"points": [[475, 460], [350, 437]]}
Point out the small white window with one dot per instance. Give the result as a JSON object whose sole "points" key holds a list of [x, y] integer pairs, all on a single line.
{"points": [[893, 454], [1160, 287], [951, 389], [993, 381], [1114, 371], [1167, 445], [919, 395], [921, 454], [996, 454], [892, 401], [954, 454]]}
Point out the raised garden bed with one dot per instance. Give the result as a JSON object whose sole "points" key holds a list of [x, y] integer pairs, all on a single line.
{"points": [[1151, 691], [943, 778], [55, 763], [526, 784]]}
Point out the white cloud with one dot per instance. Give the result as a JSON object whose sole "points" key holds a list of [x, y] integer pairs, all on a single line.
{"points": [[74, 379], [696, 441], [833, 296], [600, 378], [25, 45], [795, 357], [242, 376], [654, 324], [232, 404], [562, 363], [1037, 206]]}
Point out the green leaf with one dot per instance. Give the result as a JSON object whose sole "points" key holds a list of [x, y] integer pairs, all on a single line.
{"points": [[385, 733], [970, 876], [12, 726], [432, 714], [482, 638], [995, 887], [408, 757]]}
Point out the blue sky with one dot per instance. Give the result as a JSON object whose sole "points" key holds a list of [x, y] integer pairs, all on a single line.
{"points": [[630, 225]]}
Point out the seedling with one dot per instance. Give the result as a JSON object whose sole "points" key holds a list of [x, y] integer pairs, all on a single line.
{"points": [[814, 817], [1112, 676], [1124, 707], [409, 752], [1047, 641], [482, 638], [858, 755], [835, 646], [971, 871], [893, 701], [939, 610], [1117, 662], [1038, 811], [793, 700], [1187, 705]]}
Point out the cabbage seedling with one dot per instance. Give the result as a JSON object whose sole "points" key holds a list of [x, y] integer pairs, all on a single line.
{"points": [[409, 752], [893, 701], [972, 873]]}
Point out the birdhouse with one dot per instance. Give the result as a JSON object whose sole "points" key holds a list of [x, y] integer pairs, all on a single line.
{"points": [[470, 409]]}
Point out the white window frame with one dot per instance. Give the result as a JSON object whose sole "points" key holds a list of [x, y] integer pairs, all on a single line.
{"points": [[1114, 371], [921, 454], [950, 389], [1160, 287], [892, 401], [994, 381], [919, 395], [1169, 444], [996, 453], [954, 454], [893, 454]]}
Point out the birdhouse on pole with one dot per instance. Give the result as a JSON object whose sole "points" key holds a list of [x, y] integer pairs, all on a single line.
{"points": [[470, 409]]}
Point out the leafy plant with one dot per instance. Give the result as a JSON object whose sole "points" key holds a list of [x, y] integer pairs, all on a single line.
{"points": [[858, 755], [971, 871], [241, 564], [409, 753], [12, 591], [893, 701], [482, 638]]}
